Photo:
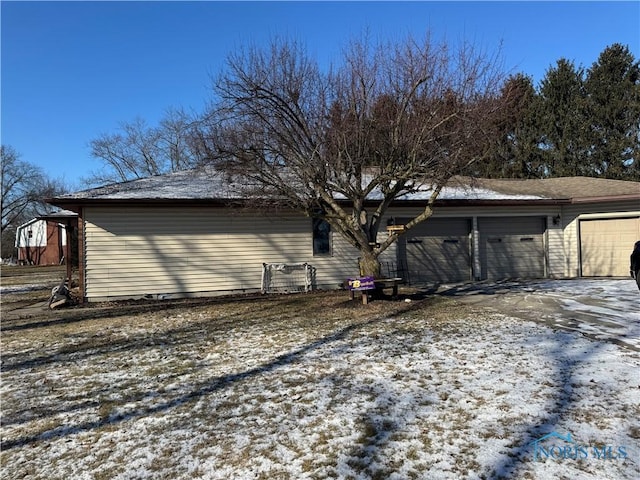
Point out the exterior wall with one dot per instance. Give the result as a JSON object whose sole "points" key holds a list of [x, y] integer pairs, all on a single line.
{"points": [[138, 251], [571, 216], [555, 249], [133, 252]]}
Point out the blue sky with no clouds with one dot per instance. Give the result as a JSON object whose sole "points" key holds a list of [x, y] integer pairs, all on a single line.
{"points": [[74, 70]]}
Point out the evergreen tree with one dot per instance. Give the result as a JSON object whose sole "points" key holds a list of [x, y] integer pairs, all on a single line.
{"points": [[561, 115], [517, 153], [613, 110]]}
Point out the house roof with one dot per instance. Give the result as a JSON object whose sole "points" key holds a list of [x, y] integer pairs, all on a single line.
{"points": [[197, 184], [209, 185], [26, 224], [58, 216], [574, 188]]}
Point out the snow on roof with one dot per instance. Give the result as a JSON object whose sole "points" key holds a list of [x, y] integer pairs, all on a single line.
{"points": [[59, 214], [470, 193], [211, 184], [198, 184]]}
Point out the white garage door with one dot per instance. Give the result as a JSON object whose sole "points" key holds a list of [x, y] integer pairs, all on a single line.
{"points": [[606, 244], [512, 247], [439, 251]]}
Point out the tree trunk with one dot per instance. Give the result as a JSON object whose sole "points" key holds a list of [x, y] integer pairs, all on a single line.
{"points": [[369, 265]]}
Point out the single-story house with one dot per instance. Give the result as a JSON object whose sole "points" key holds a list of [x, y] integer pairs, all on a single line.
{"points": [[43, 240], [179, 235]]}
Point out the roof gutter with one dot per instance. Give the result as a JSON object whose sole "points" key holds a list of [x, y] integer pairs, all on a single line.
{"points": [[77, 203]]}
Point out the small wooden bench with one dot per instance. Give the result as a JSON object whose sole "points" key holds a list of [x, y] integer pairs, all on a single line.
{"points": [[367, 283], [392, 283]]}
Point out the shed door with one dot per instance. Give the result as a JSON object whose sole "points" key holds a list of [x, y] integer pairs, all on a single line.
{"points": [[512, 247], [606, 244], [438, 250]]}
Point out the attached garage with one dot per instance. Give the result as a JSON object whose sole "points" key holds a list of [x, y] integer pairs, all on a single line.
{"points": [[512, 247], [606, 244], [439, 250]]}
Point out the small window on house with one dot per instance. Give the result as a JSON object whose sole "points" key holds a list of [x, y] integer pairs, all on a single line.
{"points": [[30, 233], [321, 237]]}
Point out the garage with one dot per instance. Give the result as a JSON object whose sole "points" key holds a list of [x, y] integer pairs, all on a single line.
{"points": [[438, 250], [606, 244], [512, 247]]}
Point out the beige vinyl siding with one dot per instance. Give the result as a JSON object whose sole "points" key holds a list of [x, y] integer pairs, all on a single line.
{"points": [[556, 257], [481, 211], [131, 252], [188, 251]]}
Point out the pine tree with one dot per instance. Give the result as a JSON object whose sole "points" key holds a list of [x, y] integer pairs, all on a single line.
{"points": [[613, 108], [517, 153], [561, 113]]}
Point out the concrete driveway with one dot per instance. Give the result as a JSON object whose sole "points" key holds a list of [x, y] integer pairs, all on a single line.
{"points": [[601, 309]]}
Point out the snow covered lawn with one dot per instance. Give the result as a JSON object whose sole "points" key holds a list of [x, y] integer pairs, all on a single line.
{"points": [[313, 386]]}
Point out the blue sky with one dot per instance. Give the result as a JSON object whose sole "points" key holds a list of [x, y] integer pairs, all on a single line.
{"points": [[74, 70]]}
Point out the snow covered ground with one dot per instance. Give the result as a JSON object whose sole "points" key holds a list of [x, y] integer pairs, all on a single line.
{"points": [[308, 387], [32, 287], [602, 309]]}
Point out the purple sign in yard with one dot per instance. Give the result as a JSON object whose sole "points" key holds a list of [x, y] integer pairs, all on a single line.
{"points": [[361, 283]]}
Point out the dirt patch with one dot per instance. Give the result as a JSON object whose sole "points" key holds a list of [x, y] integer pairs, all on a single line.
{"points": [[27, 274], [27, 309]]}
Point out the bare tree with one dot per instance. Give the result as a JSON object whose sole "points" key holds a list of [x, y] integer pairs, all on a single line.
{"points": [[178, 140], [391, 120], [138, 150], [24, 188]]}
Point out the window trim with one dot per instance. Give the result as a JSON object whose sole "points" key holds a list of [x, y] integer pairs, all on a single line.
{"points": [[317, 252]]}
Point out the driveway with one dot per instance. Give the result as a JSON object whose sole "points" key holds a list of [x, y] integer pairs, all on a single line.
{"points": [[602, 309]]}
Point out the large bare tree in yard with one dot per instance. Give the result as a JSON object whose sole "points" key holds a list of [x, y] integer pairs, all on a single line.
{"points": [[390, 120]]}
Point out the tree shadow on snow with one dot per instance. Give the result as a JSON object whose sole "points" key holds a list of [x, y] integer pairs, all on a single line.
{"points": [[204, 389]]}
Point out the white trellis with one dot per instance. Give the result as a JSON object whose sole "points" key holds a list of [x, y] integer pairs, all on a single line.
{"points": [[286, 277]]}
